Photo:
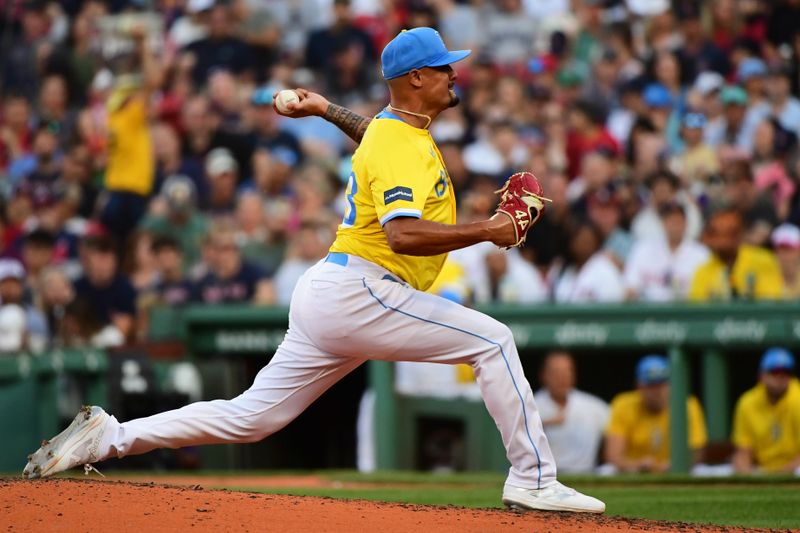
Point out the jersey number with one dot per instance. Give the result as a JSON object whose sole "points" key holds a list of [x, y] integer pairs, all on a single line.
{"points": [[350, 212]]}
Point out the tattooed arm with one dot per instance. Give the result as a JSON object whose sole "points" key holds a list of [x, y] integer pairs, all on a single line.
{"points": [[354, 125], [313, 104]]}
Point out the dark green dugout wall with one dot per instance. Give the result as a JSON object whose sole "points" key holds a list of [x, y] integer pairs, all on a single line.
{"points": [[714, 348]]}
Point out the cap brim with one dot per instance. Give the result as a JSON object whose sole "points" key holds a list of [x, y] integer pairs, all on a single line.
{"points": [[782, 368], [648, 382], [450, 57]]}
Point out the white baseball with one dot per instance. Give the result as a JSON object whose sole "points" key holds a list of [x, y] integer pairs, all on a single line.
{"points": [[284, 98]]}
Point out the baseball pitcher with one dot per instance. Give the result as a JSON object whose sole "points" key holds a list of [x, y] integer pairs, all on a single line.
{"points": [[365, 300]]}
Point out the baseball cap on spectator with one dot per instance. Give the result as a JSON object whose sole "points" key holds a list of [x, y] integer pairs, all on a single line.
{"points": [[733, 95], [694, 121], [569, 76], [656, 95], [11, 269], [262, 96], [647, 8], [751, 67], [219, 161], [284, 155], [196, 6], [542, 63], [414, 49], [179, 192], [708, 82], [786, 236], [12, 328], [652, 369], [777, 359]]}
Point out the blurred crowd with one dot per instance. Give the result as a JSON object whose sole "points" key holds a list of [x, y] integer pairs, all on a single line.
{"points": [[142, 162]]}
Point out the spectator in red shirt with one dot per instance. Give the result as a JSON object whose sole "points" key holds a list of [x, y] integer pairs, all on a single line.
{"points": [[587, 134], [16, 134]]}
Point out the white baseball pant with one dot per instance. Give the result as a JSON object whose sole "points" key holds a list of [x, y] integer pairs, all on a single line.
{"points": [[340, 316]]}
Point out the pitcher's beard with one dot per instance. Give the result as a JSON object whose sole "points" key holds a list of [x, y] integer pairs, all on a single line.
{"points": [[454, 99]]}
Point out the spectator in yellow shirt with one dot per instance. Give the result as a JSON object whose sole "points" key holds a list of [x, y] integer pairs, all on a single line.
{"points": [[735, 270], [766, 423], [130, 172], [699, 160], [637, 435]]}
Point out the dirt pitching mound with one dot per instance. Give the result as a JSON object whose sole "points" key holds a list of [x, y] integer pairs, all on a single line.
{"points": [[75, 505]]}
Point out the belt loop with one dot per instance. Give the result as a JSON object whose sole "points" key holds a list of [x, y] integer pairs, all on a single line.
{"points": [[337, 258]]}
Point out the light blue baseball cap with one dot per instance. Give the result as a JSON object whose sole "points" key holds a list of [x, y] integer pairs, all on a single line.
{"points": [[657, 95], [262, 96], [414, 49], [694, 121], [777, 359], [751, 67], [652, 369]]}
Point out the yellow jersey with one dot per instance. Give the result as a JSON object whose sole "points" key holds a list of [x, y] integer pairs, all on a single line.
{"points": [[451, 283], [755, 274], [771, 432], [397, 172], [647, 434], [131, 162]]}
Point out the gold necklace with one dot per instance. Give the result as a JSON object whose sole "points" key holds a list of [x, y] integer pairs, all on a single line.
{"points": [[420, 115]]}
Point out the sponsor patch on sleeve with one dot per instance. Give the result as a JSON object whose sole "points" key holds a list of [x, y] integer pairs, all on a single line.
{"points": [[398, 193]]}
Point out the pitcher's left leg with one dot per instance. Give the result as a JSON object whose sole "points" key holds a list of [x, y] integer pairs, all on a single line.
{"points": [[392, 321], [409, 325]]}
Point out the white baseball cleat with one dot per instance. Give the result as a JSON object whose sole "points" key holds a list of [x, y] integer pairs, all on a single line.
{"points": [[555, 497], [76, 445]]}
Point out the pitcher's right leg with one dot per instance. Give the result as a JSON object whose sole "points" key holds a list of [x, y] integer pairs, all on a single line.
{"points": [[296, 376]]}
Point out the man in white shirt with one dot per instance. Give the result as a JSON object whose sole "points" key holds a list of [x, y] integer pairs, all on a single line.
{"points": [[782, 104], [193, 25], [307, 247], [573, 420], [661, 270], [509, 279], [665, 187], [591, 275]]}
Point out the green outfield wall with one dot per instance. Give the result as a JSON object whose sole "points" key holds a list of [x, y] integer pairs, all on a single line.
{"points": [[707, 331], [701, 341]]}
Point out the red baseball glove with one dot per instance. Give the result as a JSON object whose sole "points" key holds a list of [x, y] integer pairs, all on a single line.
{"points": [[521, 198]]}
